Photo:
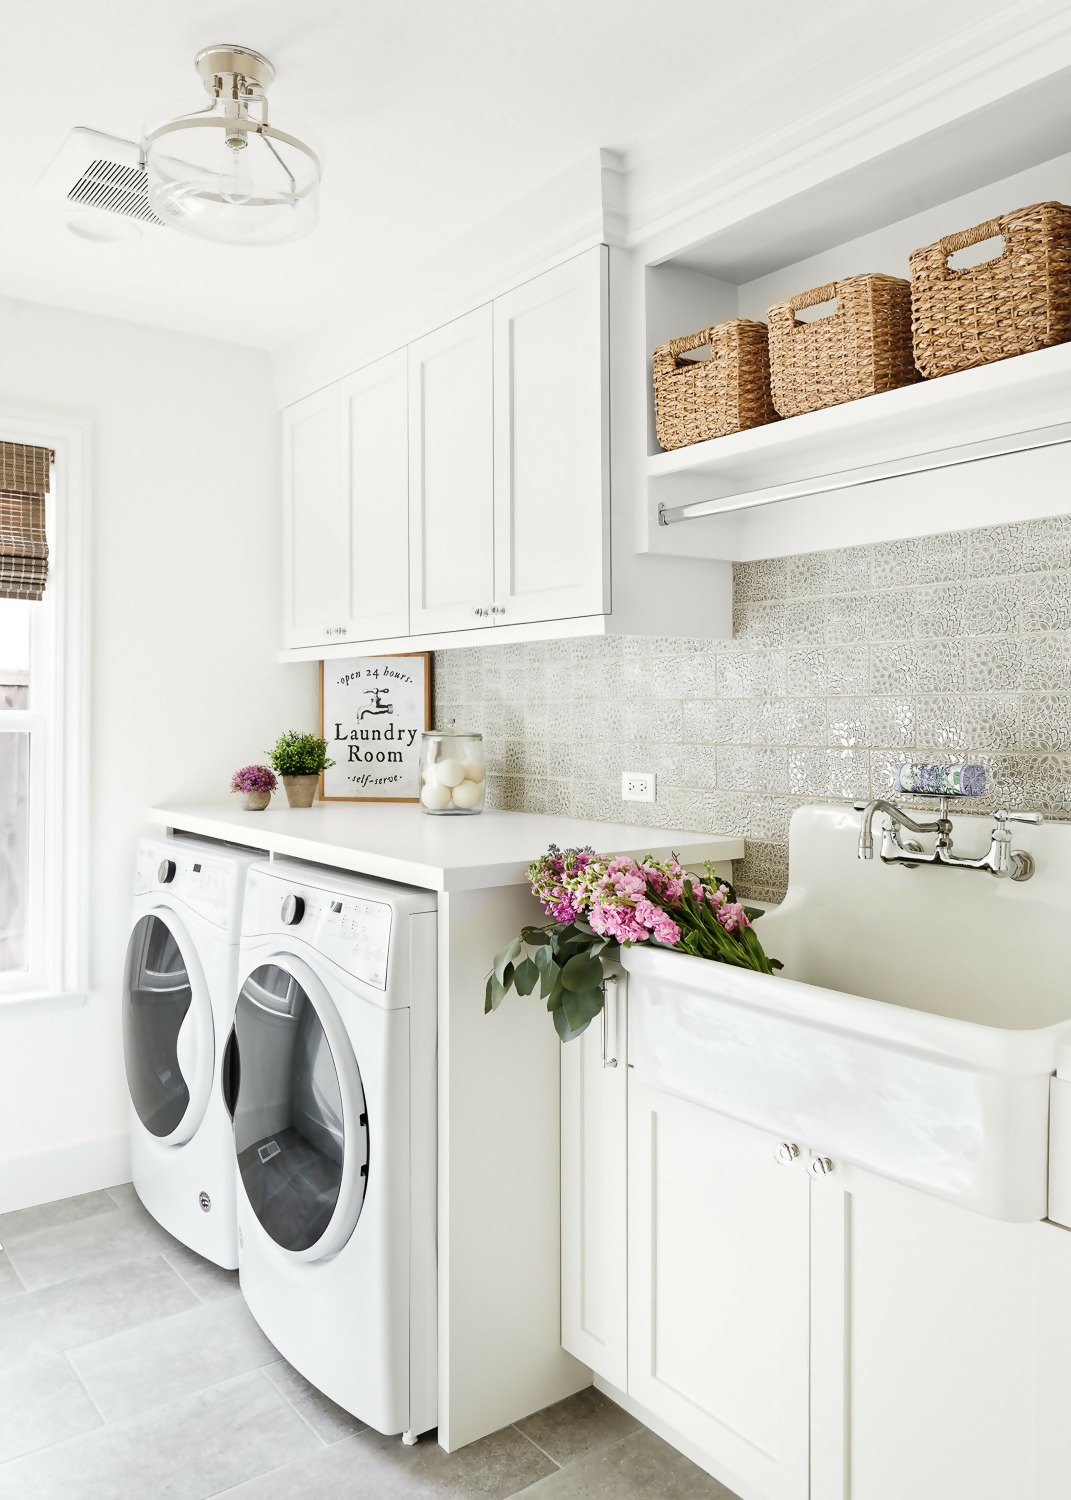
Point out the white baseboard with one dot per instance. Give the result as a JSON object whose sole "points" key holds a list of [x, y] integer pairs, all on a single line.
{"points": [[82, 1167], [682, 1444]]}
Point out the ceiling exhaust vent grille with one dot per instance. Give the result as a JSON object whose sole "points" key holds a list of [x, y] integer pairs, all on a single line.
{"points": [[118, 189]]}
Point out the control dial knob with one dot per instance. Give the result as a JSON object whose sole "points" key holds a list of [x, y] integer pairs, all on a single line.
{"points": [[293, 909], [166, 871]]}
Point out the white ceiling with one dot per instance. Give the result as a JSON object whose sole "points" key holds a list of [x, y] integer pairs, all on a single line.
{"points": [[433, 112]]}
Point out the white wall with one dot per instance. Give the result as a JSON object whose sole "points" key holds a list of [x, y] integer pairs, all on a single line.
{"points": [[185, 687]]}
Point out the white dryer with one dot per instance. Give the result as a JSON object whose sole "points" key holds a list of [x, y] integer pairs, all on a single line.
{"points": [[178, 1009], [335, 1135]]}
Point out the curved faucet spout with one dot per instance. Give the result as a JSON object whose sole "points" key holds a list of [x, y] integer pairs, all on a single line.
{"points": [[879, 804]]}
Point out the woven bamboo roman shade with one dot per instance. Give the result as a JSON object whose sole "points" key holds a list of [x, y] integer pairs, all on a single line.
{"points": [[24, 476]]}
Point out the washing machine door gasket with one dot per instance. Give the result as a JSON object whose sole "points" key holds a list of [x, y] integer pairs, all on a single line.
{"points": [[300, 1116], [168, 1033]]}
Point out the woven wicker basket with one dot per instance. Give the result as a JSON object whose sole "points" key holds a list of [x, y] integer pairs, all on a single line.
{"points": [[1018, 302], [700, 399], [862, 348]]}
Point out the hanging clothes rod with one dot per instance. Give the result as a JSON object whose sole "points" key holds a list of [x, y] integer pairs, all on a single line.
{"points": [[1042, 437]]}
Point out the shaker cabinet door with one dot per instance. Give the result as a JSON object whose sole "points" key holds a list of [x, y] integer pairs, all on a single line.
{"points": [[552, 490], [939, 1348], [316, 524], [718, 1290], [594, 1126], [451, 476], [375, 470]]}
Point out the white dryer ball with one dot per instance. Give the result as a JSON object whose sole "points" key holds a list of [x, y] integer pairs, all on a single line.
{"points": [[435, 796], [449, 772], [474, 771], [468, 794]]}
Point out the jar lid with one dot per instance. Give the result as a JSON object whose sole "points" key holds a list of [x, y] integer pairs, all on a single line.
{"points": [[451, 733]]}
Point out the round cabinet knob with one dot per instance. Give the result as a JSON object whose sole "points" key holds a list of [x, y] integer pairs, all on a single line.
{"points": [[166, 872], [786, 1153], [293, 909], [821, 1166]]}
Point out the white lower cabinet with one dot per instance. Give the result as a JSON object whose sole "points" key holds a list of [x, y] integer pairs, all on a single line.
{"points": [[718, 1290], [806, 1338], [594, 1121], [940, 1341]]}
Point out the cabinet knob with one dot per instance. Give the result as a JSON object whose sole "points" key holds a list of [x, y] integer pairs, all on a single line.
{"points": [[786, 1153], [821, 1166], [479, 611], [498, 609]]}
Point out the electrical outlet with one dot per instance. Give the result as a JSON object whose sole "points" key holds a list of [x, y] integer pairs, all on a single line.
{"points": [[637, 786]]}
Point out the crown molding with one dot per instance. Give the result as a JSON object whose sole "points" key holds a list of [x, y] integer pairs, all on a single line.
{"points": [[671, 201], [686, 184]]}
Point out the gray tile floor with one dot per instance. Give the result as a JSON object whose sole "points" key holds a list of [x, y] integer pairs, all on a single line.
{"points": [[131, 1370]]}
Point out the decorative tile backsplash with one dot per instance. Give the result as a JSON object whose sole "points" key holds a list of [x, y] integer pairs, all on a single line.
{"points": [[842, 665]]}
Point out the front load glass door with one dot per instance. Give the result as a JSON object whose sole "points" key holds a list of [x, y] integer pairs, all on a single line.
{"points": [[290, 1133], [156, 998]]}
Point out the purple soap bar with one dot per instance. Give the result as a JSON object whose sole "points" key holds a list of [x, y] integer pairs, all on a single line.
{"points": [[943, 781]]}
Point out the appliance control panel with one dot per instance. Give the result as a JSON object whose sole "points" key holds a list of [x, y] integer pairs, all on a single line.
{"points": [[206, 885], [351, 931]]}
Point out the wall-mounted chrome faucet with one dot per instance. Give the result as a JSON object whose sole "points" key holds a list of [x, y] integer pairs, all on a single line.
{"points": [[1000, 860]]}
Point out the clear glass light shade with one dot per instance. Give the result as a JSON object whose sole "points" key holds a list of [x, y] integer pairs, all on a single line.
{"points": [[227, 178]]}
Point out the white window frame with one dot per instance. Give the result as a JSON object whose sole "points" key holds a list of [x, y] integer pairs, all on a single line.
{"points": [[57, 721]]}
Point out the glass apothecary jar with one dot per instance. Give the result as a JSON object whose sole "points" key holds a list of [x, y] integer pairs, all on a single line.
{"points": [[453, 777]]}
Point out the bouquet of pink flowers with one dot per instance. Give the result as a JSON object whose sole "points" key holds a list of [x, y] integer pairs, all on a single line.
{"points": [[598, 903]]}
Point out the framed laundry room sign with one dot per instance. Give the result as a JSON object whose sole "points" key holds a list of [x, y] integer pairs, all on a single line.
{"points": [[373, 710]]}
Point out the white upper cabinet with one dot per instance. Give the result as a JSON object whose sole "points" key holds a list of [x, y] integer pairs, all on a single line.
{"points": [[461, 483], [451, 476], [551, 443], [375, 476], [316, 534]]}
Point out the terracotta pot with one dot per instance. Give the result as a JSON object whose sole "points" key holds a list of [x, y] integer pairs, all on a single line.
{"points": [[255, 801], [301, 790]]}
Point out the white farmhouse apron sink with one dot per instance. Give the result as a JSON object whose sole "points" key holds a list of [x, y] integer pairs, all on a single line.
{"points": [[913, 1029]]}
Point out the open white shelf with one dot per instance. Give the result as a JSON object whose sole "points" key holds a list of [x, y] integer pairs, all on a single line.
{"points": [[904, 463], [775, 489]]}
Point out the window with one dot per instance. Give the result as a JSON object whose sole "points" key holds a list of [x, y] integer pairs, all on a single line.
{"points": [[42, 752], [14, 783]]}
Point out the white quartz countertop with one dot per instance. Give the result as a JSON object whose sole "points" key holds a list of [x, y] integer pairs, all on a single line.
{"points": [[396, 841]]}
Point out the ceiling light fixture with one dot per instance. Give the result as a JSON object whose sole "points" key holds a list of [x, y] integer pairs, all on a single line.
{"points": [[223, 172]]}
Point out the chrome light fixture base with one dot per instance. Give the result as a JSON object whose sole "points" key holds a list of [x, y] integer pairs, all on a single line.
{"points": [[225, 68]]}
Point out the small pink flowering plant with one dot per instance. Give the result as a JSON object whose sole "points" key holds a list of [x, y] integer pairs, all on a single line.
{"points": [[597, 905], [254, 779]]}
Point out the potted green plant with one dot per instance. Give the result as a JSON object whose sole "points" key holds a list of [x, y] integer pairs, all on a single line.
{"points": [[299, 759]]}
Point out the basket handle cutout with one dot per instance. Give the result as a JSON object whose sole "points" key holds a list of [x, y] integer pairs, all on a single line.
{"points": [[990, 230], [677, 347], [814, 298]]}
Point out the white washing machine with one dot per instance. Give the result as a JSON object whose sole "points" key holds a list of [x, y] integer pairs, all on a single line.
{"points": [[335, 1135], [178, 1009]]}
